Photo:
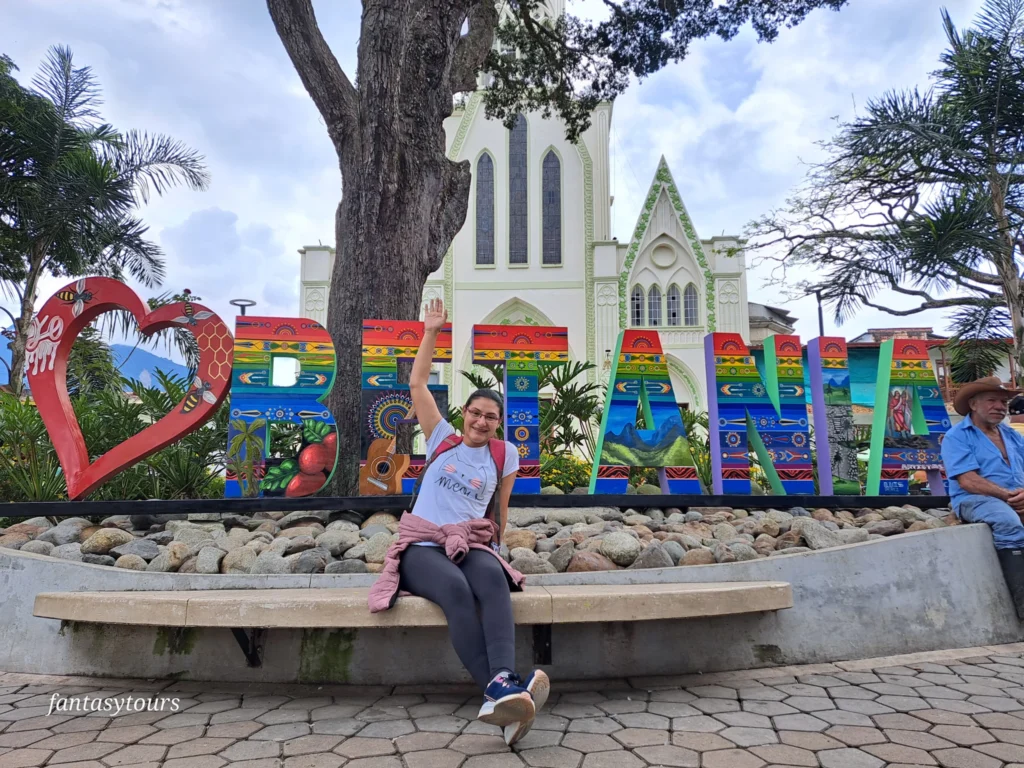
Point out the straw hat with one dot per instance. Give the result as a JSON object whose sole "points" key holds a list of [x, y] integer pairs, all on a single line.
{"points": [[975, 388]]}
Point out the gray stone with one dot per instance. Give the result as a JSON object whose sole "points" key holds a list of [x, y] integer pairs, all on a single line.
{"points": [[300, 544], [240, 561], [675, 550], [790, 551], [372, 530], [208, 560], [343, 525], [160, 537], [723, 532], [97, 559], [295, 518], [193, 535], [131, 563], [310, 561], [346, 566], [742, 551], [654, 556], [523, 518], [62, 534], [357, 552], [144, 548], [620, 548], [377, 547], [817, 535], [71, 552], [565, 516], [884, 527], [338, 542], [546, 545], [852, 535], [796, 512], [561, 557], [104, 540], [534, 565], [693, 517], [520, 553], [271, 561], [37, 547]]}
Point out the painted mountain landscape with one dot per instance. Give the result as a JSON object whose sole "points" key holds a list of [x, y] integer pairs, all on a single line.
{"points": [[666, 446]]}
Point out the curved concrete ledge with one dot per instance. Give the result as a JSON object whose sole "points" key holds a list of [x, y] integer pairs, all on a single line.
{"points": [[909, 593]]}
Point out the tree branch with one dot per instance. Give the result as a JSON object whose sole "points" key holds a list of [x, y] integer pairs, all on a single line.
{"points": [[324, 79], [933, 304], [473, 47]]}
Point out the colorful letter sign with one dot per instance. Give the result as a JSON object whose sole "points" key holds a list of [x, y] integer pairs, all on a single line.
{"points": [[385, 402], [833, 416], [909, 421], [303, 463], [771, 415], [50, 337], [639, 376], [522, 350]]}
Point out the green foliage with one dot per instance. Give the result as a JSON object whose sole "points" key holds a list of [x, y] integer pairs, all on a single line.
{"points": [[70, 184], [571, 64], [564, 471], [922, 195], [91, 366], [189, 469], [243, 454]]}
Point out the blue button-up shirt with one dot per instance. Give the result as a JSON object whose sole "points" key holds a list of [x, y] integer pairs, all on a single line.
{"points": [[966, 448]]}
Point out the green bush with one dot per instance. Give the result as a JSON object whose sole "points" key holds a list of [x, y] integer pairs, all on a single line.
{"points": [[565, 472]]}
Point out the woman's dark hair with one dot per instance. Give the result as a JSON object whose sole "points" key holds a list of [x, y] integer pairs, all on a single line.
{"points": [[488, 394]]}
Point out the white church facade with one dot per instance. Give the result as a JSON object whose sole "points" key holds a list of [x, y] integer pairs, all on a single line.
{"points": [[537, 249]]}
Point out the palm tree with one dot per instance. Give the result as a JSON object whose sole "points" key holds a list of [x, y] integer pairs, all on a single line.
{"points": [[923, 196], [244, 450], [69, 185]]}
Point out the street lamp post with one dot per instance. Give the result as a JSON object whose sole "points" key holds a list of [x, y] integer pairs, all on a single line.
{"points": [[242, 304]]}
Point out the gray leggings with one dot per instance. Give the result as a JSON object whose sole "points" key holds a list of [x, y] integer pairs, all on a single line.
{"points": [[485, 642]]}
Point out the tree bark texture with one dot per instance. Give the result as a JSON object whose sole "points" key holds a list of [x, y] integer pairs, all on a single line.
{"points": [[403, 200], [22, 324]]}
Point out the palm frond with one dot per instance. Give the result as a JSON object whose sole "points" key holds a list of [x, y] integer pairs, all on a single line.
{"points": [[980, 341], [73, 91], [158, 161]]}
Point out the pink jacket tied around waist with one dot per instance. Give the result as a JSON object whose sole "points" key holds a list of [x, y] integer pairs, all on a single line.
{"points": [[457, 539]]}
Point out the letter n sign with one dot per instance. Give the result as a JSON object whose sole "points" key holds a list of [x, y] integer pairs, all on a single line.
{"points": [[771, 414], [521, 351], [639, 377]]}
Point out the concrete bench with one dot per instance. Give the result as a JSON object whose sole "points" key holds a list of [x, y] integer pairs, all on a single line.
{"points": [[249, 613]]}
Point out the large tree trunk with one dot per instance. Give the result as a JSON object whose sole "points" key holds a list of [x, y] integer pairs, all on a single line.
{"points": [[403, 200]]}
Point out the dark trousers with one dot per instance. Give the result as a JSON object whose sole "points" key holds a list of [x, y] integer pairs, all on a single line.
{"points": [[474, 595]]}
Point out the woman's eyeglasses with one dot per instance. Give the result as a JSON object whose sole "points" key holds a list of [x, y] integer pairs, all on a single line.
{"points": [[490, 418]]}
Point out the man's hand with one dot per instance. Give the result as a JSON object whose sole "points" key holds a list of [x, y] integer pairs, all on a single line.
{"points": [[1016, 500], [435, 316]]}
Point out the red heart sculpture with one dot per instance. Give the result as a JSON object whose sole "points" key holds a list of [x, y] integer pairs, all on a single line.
{"points": [[50, 337]]}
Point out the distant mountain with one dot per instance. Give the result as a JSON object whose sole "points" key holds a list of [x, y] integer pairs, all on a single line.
{"points": [[140, 364], [665, 436]]}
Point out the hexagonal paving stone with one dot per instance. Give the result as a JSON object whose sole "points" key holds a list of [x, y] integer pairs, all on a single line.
{"points": [[550, 757], [251, 750], [281, 732], [964, 758], [744, 719], [807, 740], [768, 708], [1011, 753], [710, 706], [359, 746], [786, 755], [136, 753], [196, 747], [856, 736], [644, 720], [609, 760], [346, 726], [731, 758], [903, 722], [640, 737], [713, 692], [434, 758], [418, 742], [842, 717], [592, 742], [848, 758], [204, 761], [327, 760], [750, 737], [668, 755], [240, 730], [799, 723], [700, 742], [593, 725], [900, 754], [665, 708], [476, 745], [701, 723], [964, 737], [538, 739], [388, 729]]}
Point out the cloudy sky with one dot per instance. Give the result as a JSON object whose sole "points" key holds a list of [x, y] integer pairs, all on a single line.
{"points": [[737, 122]]}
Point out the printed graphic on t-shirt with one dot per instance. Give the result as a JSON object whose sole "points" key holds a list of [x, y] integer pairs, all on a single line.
{"points": [[451, 479]]}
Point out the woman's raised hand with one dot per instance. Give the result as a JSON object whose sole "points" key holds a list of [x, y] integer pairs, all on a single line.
{"points": [[435, 316]]}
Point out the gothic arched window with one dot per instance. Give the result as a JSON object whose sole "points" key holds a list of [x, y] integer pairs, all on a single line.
{"points": [[551, 209], [485, 210], [691, 312], [518, 218], [636, 306], [672, 300], [654, 306]]}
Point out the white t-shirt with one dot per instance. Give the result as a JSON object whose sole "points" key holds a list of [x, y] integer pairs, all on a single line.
{"points": [[458, 486]]}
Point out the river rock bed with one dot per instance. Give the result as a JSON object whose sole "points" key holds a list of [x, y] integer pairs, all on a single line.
{"points": [[537, 540]]}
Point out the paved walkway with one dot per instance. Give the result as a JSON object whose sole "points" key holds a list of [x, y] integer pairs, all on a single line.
{"points": [[959, 709]]}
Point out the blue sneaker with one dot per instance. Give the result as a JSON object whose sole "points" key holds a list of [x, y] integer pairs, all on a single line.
{"points": [[538, 685], [506, 701]]}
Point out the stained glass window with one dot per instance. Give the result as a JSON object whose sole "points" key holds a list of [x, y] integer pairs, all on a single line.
{"points": [[485, 210], [518, 219], [551, 211]]}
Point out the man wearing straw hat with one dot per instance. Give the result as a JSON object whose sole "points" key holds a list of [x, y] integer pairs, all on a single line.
{"points": [[984, 461]]}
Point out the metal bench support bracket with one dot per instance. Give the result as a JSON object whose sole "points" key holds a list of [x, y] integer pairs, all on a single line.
{"points": [[251, 642]]}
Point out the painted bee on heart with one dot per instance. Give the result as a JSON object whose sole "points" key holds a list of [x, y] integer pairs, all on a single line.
{"points": [[200, 391], [77, 297], [191, 317]]}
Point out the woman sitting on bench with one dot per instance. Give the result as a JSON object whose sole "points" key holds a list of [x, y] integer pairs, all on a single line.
{"points": [[448, 546]]}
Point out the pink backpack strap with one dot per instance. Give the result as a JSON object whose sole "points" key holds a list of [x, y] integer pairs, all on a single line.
{"points": [[498, 448], [447, 444]]}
